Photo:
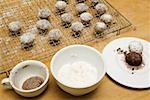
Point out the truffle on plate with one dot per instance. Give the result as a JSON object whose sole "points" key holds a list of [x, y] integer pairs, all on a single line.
{"points": [[106, 18], [44, 13], [77, 28], [135, 46], [15, 28], [99, 28], [86, 18], [101, 9], [94, 3], [80, 1], [133, 59], [43, 26], [54, 36], [81, 7], [60, 7], [27, 40], [66, 18]]}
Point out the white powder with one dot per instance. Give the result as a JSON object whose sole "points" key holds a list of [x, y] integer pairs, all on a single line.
{"points": [[78, 74]]}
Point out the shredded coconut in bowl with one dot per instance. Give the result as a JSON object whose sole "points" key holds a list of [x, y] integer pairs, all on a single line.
{"points": [[78, 74]]}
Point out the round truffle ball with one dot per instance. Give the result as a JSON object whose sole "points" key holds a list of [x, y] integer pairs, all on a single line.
{"points": [[14, 26], [101, 8], [86, 16], [100, 27], [55, 34], [43, 24], [61, 5], [27, 38], [133, 59], [67, 17], [136, 46], [77, 26], [44, 13], [106, 18], [81, 7]]}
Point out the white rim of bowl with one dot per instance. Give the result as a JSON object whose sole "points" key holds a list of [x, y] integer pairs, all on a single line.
{"points": [[19, 66], [71, 46]]}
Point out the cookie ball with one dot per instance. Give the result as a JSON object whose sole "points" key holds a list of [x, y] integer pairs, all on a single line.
{"points": [[101, 8], [44, 13], [27, 38], [43, 24], [86, 16], [106, 18], [55, 34], [100, 27], [61, 5], [133, 59], [14, 26], [136, 46], [67, 17], [77, 26], [81, 7]]}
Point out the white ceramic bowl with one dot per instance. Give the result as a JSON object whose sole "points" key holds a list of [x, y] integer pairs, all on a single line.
{"points": [[22, 72], [73, 54]]}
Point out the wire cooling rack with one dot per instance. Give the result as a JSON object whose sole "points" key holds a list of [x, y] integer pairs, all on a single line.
{"points": [[26, 11]]}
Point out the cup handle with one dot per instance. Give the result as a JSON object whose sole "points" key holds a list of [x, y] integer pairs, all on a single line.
{"points": [[6, 83]]}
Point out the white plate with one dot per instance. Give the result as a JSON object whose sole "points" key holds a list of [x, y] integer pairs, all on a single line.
{"points": [[117, 69]]}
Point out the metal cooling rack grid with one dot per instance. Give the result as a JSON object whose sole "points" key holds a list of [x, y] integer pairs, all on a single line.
{"points": [[26, 12]]}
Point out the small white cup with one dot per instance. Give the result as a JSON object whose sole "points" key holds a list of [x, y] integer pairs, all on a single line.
{"points": [[23, 71], [73, 54]]}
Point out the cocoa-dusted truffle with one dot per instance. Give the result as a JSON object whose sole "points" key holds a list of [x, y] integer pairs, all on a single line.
{"points": [[15, 27], [133, 59], [44, 13], [81, 7], [101, 9]]}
